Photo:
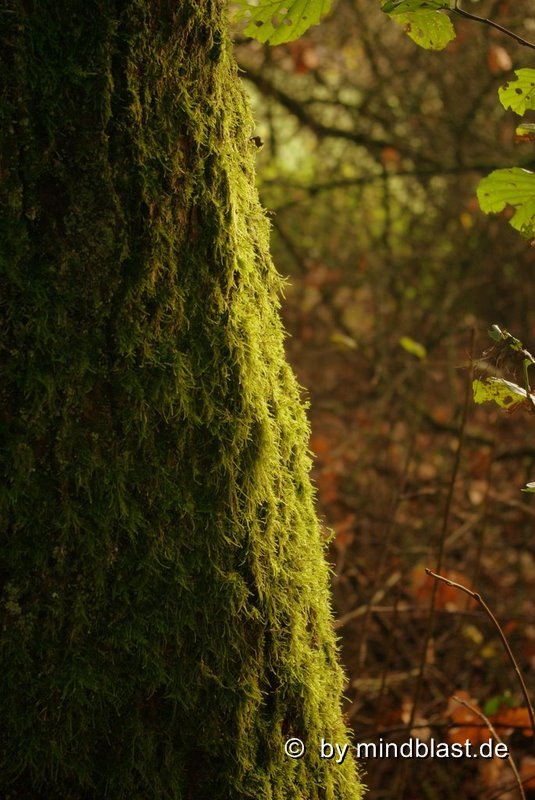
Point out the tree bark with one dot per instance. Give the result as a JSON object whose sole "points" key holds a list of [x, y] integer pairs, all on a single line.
{"points": [[165, 608]]}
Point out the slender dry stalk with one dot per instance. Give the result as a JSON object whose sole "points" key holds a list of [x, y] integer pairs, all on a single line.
{"points": [[440, 556], [501, 634], [491, 728]]}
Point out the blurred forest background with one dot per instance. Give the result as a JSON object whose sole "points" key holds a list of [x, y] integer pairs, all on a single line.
{"points": [[373, 149]]}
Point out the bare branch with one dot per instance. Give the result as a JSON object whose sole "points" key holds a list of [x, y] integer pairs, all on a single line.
{"points": [[497, 625], [491, 728], [301, 113], [485, 21]]}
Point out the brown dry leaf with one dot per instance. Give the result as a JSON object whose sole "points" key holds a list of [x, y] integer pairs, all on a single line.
{"points": [[304, 55], [510, 718], [465, 723], [447, 597]]}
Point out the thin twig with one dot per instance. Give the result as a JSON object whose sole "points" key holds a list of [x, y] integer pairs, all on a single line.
{"points": [[446, 517], [492, 24], [512, 503], [380, 591], [482, 531], [440, 556], [505, 643], [497, 738]]}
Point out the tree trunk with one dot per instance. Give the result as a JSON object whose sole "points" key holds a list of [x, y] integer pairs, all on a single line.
{"points": [[165, 609]]}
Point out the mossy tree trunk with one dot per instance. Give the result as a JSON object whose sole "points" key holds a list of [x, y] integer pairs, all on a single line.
{"points": [[165, 612]]}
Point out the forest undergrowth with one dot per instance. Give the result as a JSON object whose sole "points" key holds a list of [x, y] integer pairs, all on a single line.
{"points": [[386, 437]]}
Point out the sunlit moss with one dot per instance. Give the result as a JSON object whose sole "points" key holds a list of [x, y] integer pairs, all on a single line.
{"points": [[165, 613]]}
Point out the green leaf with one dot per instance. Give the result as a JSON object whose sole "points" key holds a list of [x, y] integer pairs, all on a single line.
{"points": [[412, 347], [504, 393], [402, 6], [519, 95], [530, 487], [514, 187], [493, 705], [432, 30], [279, 21], [345, 342]]}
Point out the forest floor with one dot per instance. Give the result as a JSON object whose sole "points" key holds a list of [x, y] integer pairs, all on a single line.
{"points": [[401, 490]]}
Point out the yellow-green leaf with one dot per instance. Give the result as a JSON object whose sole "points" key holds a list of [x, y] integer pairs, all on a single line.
{"points": [[504, 393], [430, 29], [514, 187], [279, 21], [402, 6], [345, 342], [412, 347], [519, 95]]}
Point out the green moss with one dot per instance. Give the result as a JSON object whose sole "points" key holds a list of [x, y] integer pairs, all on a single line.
{"points": [[165, 610]]}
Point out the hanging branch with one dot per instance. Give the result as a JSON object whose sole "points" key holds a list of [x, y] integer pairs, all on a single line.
{"points": [[524, 42]]}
